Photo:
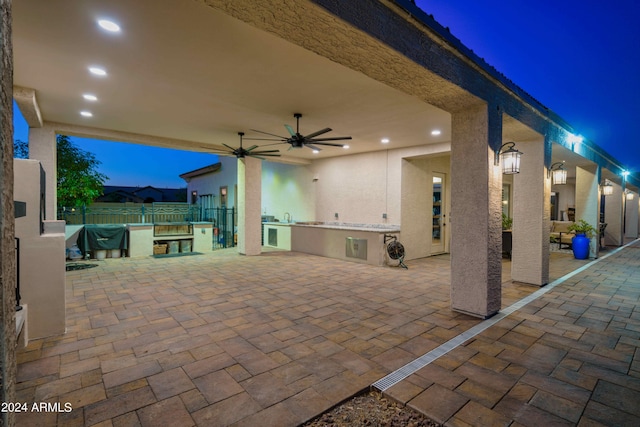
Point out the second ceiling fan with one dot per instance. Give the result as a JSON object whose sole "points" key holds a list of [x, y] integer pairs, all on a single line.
{"points": [[297, 140]]}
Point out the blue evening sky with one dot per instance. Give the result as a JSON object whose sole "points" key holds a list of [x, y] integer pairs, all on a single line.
{"points": [[580, 58]]}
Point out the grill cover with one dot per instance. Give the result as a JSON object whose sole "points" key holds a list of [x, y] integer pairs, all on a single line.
{"points": [[97, 237]]}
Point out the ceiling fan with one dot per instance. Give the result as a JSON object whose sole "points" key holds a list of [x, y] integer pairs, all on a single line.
{"points": [[242, 152], [297, 140]]}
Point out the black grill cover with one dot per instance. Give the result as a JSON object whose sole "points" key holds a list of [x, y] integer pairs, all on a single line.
{"points": [[97, 237]]}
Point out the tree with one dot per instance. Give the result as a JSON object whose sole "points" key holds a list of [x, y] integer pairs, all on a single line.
{"points": [[20, 149], [79, 182]]}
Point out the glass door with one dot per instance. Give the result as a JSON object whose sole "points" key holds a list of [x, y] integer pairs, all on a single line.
{"points": [[438, 219]]}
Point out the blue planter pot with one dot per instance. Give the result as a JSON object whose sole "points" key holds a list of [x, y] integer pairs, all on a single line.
{"points": [[580, 245]]}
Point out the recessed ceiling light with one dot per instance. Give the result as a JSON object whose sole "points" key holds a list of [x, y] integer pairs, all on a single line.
{"points": [[385, 140], [90, 97], [98, 71], [86, 114], [436, 132], [109, 25], [315, 151], [345, 146]]}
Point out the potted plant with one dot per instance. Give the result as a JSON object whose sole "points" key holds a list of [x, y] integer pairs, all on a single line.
{"points": [[580, 243], [507, 222], [507, 244]]}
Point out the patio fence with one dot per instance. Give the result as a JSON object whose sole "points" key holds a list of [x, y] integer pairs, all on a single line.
{"points": [[130, 213]]}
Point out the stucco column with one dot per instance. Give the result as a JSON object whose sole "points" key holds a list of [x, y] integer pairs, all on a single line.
{"points": [[249, 204], [588, 202], [631, 217], [42, 147], [531, 216], [476, 209], [7, 243], [614, 216]]}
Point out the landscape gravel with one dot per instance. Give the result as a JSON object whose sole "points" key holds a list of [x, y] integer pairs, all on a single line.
{"points": [[371, 409]]}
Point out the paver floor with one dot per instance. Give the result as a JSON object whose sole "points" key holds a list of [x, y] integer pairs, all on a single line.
{"points": [[274, 340], [571, 357]]}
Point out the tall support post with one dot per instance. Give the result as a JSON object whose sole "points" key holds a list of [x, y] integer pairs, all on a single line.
{"points": [[614, 216], [7, 223], [476, 210], [531, 216], [631, 217], [249, 204], [588, 202], [43, 147]]}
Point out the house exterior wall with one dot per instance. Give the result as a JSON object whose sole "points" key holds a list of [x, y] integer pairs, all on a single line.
{"points": [[285, 188], [566, 197], [210, 183], [361, 187], [417, 204], [289, 189]]}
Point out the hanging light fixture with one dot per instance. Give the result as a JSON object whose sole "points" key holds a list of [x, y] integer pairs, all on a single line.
{"points": [[629, 194], [509, 157], [558, 173], [607, 188]]}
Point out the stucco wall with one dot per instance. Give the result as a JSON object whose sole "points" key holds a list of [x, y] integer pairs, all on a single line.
{"points": [[361, 187], [211, 183], [288, 189], [7, 266], [42, 288], [417, 204], [566, 197]]}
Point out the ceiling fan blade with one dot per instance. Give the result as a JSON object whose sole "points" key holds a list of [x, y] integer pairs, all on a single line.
{"points": [[313, 147], [275, 143], [329, 144], [266, 151], [320, 132], [253, 147], [266, 139], [229, 147], [264, 154], [267, 133], [290, 129], [335, 138]]}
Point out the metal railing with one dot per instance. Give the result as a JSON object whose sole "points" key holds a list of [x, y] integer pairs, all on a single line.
{"points": [[224, 223]]}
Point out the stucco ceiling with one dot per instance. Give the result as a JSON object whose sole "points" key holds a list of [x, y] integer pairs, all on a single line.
{"points": [[183, 70]]}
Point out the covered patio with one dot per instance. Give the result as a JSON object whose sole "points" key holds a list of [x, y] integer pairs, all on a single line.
{"points": [[204, 340]]}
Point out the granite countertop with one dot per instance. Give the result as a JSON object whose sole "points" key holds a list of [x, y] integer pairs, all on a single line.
{"points": [[374, 228]]}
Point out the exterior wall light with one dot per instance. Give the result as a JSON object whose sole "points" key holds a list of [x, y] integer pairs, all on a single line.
{"points": [[509, 157], [558, 173], [574, 140], [629, 194], [607, 188]]}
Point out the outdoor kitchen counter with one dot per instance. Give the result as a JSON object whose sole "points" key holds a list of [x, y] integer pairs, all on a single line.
{"points": [[277, 235], [362, 243]]}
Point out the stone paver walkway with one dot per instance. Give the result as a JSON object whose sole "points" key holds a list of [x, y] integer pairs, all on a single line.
{"points": [[273, 340], [571, 357]]}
